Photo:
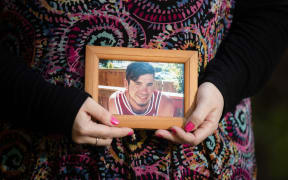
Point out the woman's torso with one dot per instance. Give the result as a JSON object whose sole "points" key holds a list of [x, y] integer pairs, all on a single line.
{"points": [[52, 36]]}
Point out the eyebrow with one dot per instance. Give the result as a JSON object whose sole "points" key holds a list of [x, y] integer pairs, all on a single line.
{"points": [[139, 82]]}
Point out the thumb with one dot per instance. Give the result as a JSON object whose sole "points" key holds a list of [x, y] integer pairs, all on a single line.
{"points": [[99, 113], [198, 115], [204, 105]]}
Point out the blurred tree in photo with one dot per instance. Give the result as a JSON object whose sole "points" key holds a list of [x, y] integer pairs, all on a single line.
{"points": [[178, 70], [173, 72], [169, 72]]}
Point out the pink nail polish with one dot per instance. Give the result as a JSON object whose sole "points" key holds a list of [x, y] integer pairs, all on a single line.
{"points": [[189, 127], [114, 121], [130, 133], [173, 131]]}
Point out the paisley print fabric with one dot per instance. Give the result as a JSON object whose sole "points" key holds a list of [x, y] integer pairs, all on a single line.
{"points": [[52, 35]]}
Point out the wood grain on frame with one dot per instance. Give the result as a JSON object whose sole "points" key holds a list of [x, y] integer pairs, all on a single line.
{"points": [[187, 57]]}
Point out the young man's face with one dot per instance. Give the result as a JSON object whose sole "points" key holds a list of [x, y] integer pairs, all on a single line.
{"points": [[140, 91]]}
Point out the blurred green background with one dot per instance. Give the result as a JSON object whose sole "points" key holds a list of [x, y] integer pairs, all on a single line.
{"points": [[270, 120]]}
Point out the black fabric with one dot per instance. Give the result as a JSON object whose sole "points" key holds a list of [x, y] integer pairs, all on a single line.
{"points": [[29, 102], [249, 53]]}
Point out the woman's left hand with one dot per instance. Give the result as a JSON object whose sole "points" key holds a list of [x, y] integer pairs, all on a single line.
{"points": [[202, 122]]}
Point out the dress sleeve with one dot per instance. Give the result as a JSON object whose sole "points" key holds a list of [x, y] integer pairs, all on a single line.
{"points": [[249, 53], [29, 102]]}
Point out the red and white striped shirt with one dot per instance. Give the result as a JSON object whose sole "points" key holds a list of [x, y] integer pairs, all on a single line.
{"points": [[124, 108]]}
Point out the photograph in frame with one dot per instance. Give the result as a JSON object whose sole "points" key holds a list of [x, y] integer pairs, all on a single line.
{"points": [[144, 88], [96, 56]]}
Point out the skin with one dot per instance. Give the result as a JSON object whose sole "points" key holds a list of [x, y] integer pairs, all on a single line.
{"points": [[166, 107], [93, 121], [111, 104], [139, 93], [205, 117]]}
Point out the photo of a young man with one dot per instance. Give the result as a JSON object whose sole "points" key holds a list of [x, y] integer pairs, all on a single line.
{"points": [[140, 96]]}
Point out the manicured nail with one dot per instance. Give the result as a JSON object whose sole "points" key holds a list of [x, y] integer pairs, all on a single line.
{"points": [[114, 121], [189, 127], [173, 131], [130, 133]]}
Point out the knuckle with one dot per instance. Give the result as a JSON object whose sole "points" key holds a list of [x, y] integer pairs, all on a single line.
{"points": [[82, 130], [77, 140], [215, 127], [194, 142], [107, 142], [104, 117], [196, 118], [105, 133]]}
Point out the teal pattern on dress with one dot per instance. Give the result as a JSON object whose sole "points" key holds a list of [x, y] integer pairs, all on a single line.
{"points": [[52, 36]]}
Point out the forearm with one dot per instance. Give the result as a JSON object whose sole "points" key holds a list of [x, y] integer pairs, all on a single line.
{"points": [[35, 103], [248, 55]]}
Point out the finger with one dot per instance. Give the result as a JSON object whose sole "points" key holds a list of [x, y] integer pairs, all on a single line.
{"points": [[161, 133], [92, 141], [99, 113], [209, 99], [84, 126], [183, 137], [112, 132], [202, 132], [101, 130], [178, 135], [197, 116], [207, 127]]}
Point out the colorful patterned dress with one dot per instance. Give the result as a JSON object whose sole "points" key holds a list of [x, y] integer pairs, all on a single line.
{"points": [[52, 35]]}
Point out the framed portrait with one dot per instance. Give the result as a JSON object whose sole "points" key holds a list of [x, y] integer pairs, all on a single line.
{"points": [[143, 88]]}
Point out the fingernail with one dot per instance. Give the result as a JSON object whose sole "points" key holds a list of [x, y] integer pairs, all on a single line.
{"points": [[114, 121], [159, 135], [173, 131], [189, 127], [130, 133]]}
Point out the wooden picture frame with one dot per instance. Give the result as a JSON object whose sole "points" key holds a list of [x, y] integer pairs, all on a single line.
{"points": [[187, 57]]}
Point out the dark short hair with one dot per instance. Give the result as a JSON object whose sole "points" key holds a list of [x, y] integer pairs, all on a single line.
{"points": [[136, 69]]}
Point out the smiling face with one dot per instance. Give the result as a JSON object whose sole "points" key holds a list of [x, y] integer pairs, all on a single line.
{"points": [[140, 92]]}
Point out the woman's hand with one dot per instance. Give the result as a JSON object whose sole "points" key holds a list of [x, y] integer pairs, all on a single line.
{"points": [[203, 120], [95, 125]]}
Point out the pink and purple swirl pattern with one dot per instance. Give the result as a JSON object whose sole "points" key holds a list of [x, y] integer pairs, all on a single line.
{"points": [[52, 36]]}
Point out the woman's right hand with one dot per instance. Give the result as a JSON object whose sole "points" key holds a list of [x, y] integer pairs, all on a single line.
{"points": [[96, 126]]}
